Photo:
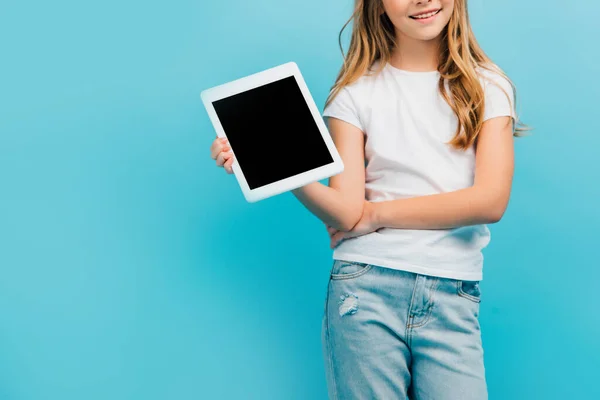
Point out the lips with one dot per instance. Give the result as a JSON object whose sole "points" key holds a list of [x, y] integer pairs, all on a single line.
{"points": [[426, 14]]}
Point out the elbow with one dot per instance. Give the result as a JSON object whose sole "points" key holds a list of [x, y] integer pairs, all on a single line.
{"points": [[494, 213], [345, 226], [349, 222], [493, 204], [350, 218], [493, 217]]}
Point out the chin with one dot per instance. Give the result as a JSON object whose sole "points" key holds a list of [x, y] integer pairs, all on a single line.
{"points": [[427, 36]]}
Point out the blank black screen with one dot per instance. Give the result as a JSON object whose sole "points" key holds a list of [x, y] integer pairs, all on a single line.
{"points": [[272, 132]]}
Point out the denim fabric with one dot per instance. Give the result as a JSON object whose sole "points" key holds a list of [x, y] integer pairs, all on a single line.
{"points": [[389, 334]]}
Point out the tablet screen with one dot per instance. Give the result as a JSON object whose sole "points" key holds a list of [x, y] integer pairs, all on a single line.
{"points": [[272, 132]]}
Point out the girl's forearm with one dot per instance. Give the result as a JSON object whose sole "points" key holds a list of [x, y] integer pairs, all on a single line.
{"points": [[470, 206], [330, 205]]}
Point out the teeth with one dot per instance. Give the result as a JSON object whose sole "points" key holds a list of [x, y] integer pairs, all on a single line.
{"points": [[431, 14]]}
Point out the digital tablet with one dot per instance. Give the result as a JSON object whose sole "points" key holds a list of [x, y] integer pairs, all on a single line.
{"points": [[276, 132]]}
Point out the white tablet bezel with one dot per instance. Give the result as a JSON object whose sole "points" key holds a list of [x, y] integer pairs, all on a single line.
{"points": [[255, 80]]}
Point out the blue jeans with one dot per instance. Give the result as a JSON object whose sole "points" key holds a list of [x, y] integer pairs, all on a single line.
{"points": [[389, 334]]}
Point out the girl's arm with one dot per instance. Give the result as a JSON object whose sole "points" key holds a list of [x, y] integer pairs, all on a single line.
{"points": [[340, 204], [482, 203]]}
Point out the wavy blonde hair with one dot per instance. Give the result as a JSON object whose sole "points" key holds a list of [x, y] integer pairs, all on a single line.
{"points": [[373, 39]]}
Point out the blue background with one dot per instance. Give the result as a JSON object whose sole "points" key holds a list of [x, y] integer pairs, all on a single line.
{"points": [[132, 268]]}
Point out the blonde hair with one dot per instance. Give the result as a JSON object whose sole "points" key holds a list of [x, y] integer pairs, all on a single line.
{"points": [[373, 39]]}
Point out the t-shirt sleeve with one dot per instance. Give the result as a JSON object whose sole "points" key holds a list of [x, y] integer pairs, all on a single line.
{"points": [[499, 97], [343, 106]]}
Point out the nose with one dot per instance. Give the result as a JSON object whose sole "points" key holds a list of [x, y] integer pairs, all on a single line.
{"points": [[423, 1]]}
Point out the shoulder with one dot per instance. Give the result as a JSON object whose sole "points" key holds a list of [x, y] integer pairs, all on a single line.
{"points": [[367, 79], [498, 91], [358, 91], [347, 103], [492, 78]]}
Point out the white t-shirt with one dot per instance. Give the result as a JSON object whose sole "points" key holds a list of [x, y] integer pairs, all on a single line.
{"points": [[407, 123]]}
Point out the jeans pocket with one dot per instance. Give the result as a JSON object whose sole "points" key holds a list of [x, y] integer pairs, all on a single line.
{"points": [[348, 269], [469, 290]]}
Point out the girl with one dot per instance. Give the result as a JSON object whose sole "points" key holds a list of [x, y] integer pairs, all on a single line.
{"points": [[424, 123]]}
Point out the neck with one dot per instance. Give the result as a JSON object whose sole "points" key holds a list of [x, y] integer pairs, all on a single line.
{"points": [[416, 55]]}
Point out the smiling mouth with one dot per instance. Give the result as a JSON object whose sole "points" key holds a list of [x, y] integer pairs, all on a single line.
{"points": [[425, 16]]}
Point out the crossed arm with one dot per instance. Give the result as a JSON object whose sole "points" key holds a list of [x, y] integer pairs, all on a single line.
{"points": [[341, 205], [482, 203]]}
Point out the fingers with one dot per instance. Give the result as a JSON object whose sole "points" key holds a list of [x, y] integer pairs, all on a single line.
{"points": [[228, 164], [215, 148], [332, 231], [218, 146], [223, 157], [220, 151], [335, 239], [335, 236]]}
